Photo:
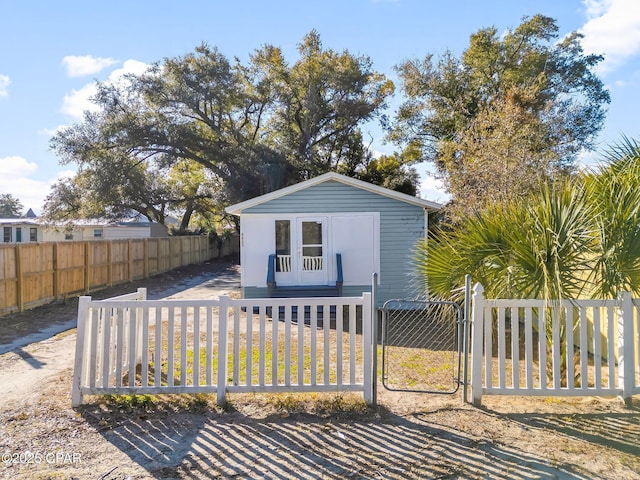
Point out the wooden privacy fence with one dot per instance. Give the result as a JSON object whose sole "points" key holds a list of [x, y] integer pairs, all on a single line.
{"points": [[555, 348], [39, 273], [130, 345]]}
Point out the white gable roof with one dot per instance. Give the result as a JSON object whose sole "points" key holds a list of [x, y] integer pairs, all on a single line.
{"points": [[336, 177]]}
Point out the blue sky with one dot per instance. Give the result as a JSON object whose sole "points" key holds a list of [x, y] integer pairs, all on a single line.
{"points": [[51, 53]]}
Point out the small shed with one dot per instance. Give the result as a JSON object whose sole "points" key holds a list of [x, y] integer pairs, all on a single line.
{"points": [[327, 236]]}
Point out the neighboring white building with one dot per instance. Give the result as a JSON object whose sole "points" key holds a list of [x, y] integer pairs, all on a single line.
{"points": [[20, 230], [104, 230], [29, 230]]}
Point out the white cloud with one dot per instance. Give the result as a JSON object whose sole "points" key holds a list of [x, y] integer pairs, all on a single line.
{"points": [[433, 189], [81, 66], [12, 167], [612, 29], [16, 178], [587, 160], [50, 132], [5, 81], [596, 8], [78, 101], [130, 66]]}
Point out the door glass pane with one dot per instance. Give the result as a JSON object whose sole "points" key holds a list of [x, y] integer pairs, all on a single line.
{"points": [[283, 246], [311, 233], [311, 246]]}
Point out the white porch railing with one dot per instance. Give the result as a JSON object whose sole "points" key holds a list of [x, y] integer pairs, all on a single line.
{"points": [[284, 263], [311, 264], [555, 348], [128, 345]]}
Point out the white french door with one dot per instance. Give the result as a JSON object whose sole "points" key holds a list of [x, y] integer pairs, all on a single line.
{"points": [[311, 252]]}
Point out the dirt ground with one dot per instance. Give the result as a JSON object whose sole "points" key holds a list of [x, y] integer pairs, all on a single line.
{"points": [[269, 436]]}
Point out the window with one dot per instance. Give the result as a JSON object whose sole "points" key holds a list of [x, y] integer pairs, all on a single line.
{"points": [[33, 234], [68, 236], [97, 233], [283, 246], [18, 234], [312, 246], [7, 235]]}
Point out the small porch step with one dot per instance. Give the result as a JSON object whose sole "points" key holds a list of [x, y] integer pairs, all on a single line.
{"points": [[302, 291]]}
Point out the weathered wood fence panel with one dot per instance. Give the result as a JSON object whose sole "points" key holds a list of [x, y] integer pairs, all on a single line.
{"points": [[38, 273], [8, 277], [70, 269]]}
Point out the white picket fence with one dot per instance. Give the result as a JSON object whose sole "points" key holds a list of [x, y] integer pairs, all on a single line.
{"points": [[130, 345], [555, 348]]}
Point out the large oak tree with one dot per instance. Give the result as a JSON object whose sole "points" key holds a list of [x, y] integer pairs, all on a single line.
{"points": [[254, 128], [515, 107]]}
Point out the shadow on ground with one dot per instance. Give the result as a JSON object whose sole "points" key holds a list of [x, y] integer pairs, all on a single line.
{"points": [[385, 445], [619, 431]]}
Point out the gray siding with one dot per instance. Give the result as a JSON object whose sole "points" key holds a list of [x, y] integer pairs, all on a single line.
{"points": [[401, 225], [254, 292]]}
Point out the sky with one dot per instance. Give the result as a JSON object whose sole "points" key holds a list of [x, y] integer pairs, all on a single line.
{"points": [[52, 53]]}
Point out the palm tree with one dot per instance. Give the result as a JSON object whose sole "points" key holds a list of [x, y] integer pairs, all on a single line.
{"points": [[614, 192], [537, 247], [579, 237]]}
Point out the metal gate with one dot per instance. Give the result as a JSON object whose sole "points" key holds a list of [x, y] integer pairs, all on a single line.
{"points": [[422, 344]]}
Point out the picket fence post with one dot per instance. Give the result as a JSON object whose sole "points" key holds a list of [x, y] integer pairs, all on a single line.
{"points": [[477, 324], [626, 354], [76, 386], [223, 334], [367, 356]]}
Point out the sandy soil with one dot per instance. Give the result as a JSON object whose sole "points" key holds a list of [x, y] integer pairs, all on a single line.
{"points": [[262, 436]]}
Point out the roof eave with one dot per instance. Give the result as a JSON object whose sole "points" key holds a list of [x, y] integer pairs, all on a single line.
{"points": [[237, 208]]}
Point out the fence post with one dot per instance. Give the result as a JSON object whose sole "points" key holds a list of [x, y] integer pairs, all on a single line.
{"points": [[56, 273], [145, 246], [626, 356], [19, 278], [87, 268], [466, 339], [79, 361], [142, 295], [374, 337], [367, 322], [477, 323], [130, 255], [221, 388]]}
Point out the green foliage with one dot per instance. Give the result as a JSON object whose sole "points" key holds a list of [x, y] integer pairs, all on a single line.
{"points": [[319, 404], [514, 108], [538, 247], [198, 131], [614, 191], [319, 103], [131, 402], [390, 171], [578, 237], [10, 207]]}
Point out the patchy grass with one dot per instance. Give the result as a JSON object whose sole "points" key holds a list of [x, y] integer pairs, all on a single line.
{"points": [[321, 404]]}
